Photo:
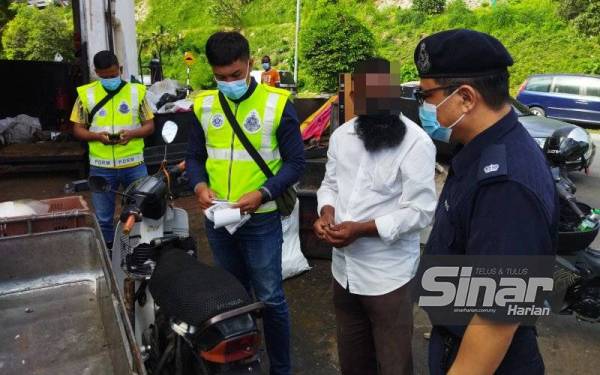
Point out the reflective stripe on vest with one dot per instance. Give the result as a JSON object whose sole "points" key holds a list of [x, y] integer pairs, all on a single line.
{"points": [[268, 120], [117, 163], [98, 129], [224, 154]]}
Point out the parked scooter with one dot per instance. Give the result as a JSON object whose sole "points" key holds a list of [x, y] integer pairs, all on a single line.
{"points": [[196, 319], [577, 266]]}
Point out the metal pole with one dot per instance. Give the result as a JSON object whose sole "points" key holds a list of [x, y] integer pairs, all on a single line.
{"points": [[109, 21], [296, 44], [187, 83]]}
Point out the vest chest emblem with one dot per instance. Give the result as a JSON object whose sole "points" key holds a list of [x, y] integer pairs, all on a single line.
{"points": [[124, 108], [217, 120], [252, 122]]}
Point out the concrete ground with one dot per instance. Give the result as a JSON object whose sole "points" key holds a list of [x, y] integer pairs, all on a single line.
{"points": [[568, 346]]}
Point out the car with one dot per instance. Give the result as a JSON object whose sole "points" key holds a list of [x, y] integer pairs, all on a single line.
{"points": [[540, 129], [573, 98], [286, 81]]}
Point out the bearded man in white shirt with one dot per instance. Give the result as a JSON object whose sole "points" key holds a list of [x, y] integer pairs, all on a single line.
{"points": [[377, 195]]}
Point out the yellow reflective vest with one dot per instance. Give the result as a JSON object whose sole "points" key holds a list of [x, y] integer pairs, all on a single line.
{"points": [[119, 113], [231, 170]]}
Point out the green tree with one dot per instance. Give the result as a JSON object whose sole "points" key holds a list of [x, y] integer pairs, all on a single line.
{"points": [[38, 34], [569, 9], [228, 12], [6, 13], [588, 22], [160, 41], [429, 6], [332, 42]]}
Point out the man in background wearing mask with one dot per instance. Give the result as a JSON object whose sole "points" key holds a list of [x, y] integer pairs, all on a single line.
{"points": [[499, 198], [220, 168], [113, 116], [377, 194], [270, 76]]}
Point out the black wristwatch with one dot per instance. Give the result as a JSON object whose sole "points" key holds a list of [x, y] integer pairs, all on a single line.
{"points": [[265, 196]]}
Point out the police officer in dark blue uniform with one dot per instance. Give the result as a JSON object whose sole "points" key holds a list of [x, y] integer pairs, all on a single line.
{"points": [[499, 197]]}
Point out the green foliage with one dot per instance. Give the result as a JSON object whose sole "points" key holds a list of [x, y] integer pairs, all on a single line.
{"points": [[588, 22], [227, 13], [584, 14], [160, 41], [332, 42], [410, 17], [570, 9], [429, 6], [539, 40], [35, 34], [6, 13], [460, 15]]}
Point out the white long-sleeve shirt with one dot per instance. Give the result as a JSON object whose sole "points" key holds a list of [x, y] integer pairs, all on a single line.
{"points": [[396, 188]]}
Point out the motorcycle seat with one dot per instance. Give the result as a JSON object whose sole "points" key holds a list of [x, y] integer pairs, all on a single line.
{"points": [[194, 292]]}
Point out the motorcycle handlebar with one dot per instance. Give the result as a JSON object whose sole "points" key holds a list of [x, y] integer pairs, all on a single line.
{"points": [[568, 197], [129, 223]]}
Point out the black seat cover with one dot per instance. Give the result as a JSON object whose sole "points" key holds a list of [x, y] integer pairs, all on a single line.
{"points": [[194, 292]]}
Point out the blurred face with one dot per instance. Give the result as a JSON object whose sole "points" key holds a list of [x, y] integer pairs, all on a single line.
{"points": [[112, 72], [239, 69], [376, 93]]}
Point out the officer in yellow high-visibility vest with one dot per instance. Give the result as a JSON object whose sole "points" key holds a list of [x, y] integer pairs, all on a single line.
{"points": [[219, 167], [114, 131]]}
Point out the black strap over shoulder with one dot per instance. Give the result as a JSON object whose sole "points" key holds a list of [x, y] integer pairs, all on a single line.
{"points": [[104, 100], [242, 137]]}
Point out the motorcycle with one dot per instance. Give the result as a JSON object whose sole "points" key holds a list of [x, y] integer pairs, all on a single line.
{"points": [[196, 319], [577, 266]]}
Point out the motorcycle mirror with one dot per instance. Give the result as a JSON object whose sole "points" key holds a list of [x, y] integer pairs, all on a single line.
{"points": [[98, 184], [169, 131]]}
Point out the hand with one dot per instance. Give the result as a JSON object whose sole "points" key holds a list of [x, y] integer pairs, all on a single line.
{"points": [[205, 195], [126, 136], [326, 220], [249, 202], [343, 234], [104, 138]]}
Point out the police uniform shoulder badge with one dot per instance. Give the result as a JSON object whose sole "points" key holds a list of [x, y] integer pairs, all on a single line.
{"points": [[124, 108], [252, 122], [217, 120]]}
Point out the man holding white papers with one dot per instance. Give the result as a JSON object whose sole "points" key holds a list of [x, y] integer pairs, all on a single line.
{"points": [[221, 169]]}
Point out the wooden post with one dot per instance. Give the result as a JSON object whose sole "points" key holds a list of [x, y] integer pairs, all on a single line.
{"points": [[348, 103]]}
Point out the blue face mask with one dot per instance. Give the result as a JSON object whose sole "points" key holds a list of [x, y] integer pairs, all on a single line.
{"points": [[110, 83], [235, 89], [266, 66], [430, 123]]}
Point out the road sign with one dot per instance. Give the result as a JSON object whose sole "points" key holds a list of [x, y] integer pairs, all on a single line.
{"points": [[188, 58]]}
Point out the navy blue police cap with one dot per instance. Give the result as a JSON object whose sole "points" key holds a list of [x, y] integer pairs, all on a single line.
{"points": [[460, 53]]}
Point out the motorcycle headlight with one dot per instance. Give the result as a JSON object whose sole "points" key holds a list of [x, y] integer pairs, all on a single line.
{"points": [[540, 141]]}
